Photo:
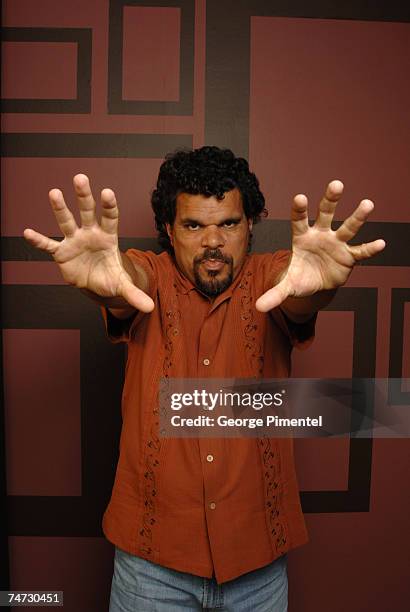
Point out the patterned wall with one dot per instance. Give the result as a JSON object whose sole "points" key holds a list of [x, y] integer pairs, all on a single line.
{"points": [[309, 92]]}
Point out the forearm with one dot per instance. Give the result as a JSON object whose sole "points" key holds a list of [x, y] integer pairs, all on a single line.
{"points": [[302, 309]]}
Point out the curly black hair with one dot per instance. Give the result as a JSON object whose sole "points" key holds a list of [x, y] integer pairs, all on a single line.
{"points": [[209, 171]]}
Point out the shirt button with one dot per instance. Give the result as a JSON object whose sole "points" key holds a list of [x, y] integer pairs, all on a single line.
{"points": [[212, 505], [206, 362], [210, 458]]}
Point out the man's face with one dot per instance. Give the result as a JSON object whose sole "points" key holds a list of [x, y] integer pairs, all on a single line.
{"points": [[210, 239]]}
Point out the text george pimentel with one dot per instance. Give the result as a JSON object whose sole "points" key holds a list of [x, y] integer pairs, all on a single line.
{"points": [[249, 422], [209, 401]]}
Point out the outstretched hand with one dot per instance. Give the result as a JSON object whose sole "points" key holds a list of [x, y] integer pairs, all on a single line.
{"points": [[321, 258], [88, 256]]}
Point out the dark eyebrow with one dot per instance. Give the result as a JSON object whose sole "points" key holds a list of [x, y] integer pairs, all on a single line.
{"points": [[188, 220], [231, 220]]}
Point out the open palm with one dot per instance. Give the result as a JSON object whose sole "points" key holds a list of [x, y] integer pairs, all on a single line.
{"points": [[88, 256], [321, 258]]}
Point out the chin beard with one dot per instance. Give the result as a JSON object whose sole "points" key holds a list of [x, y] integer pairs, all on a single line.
{"points": [[212, 285]]}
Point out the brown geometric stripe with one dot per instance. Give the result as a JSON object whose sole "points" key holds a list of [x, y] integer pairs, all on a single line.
{"points": [[228, 79], [118, 106], [83, 38], [268, 236], [399, 297], [92, 145]]}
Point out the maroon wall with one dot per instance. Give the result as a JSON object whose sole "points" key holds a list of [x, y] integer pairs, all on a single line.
{"points": [[107, 88]]}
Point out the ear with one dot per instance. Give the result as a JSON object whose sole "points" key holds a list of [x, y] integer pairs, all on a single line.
{"points": [[250, 224], [169, 232]]}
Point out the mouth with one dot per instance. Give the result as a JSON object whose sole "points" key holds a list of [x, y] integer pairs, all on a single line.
{"points": [[213, 264], [213, 272]]}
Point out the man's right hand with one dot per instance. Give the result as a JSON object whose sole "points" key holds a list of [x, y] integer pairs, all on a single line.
{"points": [[88, 256]]}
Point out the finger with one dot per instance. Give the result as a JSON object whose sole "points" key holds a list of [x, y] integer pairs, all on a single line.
{"points": [[85, 199], [352, 224], [328, 204], [299, 215], [366, 250], [63, 215], [110, 212], [274, 297], [41, 242], [136, 298]]}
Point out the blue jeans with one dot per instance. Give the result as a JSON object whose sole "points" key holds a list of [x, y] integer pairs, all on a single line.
{"points": [[141, 586]]}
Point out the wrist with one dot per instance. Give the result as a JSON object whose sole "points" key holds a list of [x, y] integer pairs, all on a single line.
{"points": [[301, 309]]}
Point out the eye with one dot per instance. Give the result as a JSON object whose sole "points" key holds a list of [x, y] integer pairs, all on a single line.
{"points": [[230, 223], [193, 227]]}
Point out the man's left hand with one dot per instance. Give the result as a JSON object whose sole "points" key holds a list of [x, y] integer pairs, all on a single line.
{"points": [[321, 258]]}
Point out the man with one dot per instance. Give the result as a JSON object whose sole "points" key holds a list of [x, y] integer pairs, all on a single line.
{"points": [[203, 523]]}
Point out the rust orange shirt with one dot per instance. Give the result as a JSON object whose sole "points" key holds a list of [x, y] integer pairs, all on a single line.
{"points": [[170, 504]]}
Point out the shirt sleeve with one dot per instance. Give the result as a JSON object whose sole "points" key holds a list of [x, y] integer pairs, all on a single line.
{"points": [[120, 330], [301, 335]]}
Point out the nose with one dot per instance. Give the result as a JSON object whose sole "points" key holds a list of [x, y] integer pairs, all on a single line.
{"points": [[213, 237]]}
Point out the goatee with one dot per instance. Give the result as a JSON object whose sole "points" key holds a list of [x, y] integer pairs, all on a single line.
{"points": [[212, 285]]}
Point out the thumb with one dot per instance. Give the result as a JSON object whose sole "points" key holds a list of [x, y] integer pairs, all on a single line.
{"points": [[275, 296], [136, 297]]}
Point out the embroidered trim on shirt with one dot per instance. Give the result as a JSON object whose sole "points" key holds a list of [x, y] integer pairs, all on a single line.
{"points": [[171, 330], [148, 520], [273, 493], [154, 443], [253, 348]]}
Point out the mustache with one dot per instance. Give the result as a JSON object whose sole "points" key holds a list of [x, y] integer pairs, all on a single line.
{"points": [[215, 254]]}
